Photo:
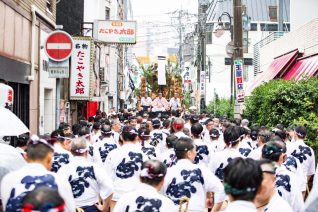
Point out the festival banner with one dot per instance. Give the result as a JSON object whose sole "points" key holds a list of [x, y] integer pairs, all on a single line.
{"points": [[161, 70], [81, 69], [239, 81]]}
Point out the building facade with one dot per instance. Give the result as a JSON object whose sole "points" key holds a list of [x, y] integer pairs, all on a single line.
{"points": [[23, 27]]}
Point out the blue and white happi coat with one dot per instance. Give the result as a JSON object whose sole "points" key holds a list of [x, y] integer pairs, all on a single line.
{"points": [[219, 160], [293, 164], [124, 166], [304, 154], [288, 187], [88, 181], [61, 157], [17, 184], [168, 157], [204, 152], [246, 146], [145, 199], [103, 147], [187, 179], [277, 203]]}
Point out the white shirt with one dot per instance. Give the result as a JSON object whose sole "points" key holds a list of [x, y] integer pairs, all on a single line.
{"points": [[116, 137], [146, 101], [293, 165], [168, 157], [17, 184], [88, 181], [180, 134], [157, 136], [149, 150], [146, 198], [288, 188], [304, 154], [256, 154], [61, 157], [203, 152], [193, 181], [103, 147], [240, 205], [246, 146], [95, 137], [174, 103], [219, 160], [277, 203], [124, 165]]}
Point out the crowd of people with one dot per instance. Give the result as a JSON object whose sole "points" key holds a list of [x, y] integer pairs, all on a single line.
{"points": [[132, 162]]}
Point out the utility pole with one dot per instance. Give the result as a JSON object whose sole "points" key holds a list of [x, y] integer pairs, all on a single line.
{"points": [[180, 41], [203, 6], [120, 66], [238, 38], [280, 15]]}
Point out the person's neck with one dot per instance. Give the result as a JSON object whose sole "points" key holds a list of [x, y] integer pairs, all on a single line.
{"points": [[38, 162], [261, 204], [129, 142]]}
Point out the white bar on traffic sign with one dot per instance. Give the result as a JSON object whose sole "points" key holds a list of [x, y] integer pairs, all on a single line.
{"points": [[59, 46]]}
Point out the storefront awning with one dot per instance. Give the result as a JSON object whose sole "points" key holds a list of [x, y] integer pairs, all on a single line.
{"points": [[276, 69], [303, 69]]}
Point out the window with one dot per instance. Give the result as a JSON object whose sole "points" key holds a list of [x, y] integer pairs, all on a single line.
{"points": [[209, 30], [208, 37], [269, 27], [272, 10], [49, 5], [253, 27], [107, 13]]}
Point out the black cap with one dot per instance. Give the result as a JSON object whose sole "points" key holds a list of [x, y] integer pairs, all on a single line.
{"points": [[156, 122]]}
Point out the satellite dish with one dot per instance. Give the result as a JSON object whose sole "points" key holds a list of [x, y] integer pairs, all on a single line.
{"points": [[230, 49]]}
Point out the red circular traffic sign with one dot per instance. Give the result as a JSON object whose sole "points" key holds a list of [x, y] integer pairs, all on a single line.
{"points": [[59, 45]]}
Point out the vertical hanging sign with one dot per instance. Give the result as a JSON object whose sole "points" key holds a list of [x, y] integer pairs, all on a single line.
{"points": [[202, 83], [161, 70], [240, 94], [81, 71]]}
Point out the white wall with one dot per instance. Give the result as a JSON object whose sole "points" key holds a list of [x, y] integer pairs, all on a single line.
{"points": [[302, 11], [47, 103], [221, 74], [304, 38]]}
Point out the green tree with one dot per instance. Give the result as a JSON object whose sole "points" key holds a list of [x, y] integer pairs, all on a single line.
{"points": [[288, 103], [220, 107]]}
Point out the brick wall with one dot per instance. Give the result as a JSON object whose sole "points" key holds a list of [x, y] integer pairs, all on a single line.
{"points": [[304, 38]]}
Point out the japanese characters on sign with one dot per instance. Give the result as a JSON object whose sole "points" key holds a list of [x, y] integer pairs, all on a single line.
{"points": [[115, 31], [202, 82], [80, 81], [238, 66]]}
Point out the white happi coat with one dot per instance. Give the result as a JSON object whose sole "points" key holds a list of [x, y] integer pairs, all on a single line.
{"points": [[304, 154], [145, 198], [292, 164], [193, 181], [168, 157], [277, 203], [88, 181], [61, 157], [17, 184], [246, 146], [103, 147], [288, 187], [219, 160], [240, 205], [204, 152], [124, 165]]}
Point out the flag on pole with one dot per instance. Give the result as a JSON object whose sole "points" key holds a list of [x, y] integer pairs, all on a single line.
{"points": [[131, 83]]}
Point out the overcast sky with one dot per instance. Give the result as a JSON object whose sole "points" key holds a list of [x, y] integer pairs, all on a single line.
{"points": [[155, 15]]}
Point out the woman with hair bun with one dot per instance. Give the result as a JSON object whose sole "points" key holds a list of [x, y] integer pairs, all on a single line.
{"points": [[147, 198], [190, 181], [124, 164]]}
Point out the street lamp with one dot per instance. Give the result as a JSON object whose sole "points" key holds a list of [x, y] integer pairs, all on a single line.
{"points": [[219, 31]]}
